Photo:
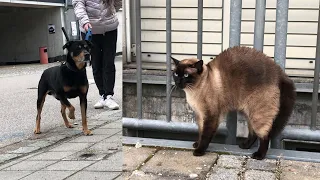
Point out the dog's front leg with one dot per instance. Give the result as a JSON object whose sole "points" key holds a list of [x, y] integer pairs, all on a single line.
{"points": [[64, 116], [83, 105]]}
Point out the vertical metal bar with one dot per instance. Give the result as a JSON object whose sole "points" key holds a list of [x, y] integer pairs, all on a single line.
{"points": [[316, 81], [222, 28], [281, 33], [280, 47], [235, 30], [168, 58], [259, 23], [138, 59], [200, 26], [235, 22]]}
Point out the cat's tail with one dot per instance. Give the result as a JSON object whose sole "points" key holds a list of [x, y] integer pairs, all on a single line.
{"points": [[287, 100]]}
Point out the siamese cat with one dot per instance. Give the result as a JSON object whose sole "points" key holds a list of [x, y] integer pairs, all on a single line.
{"points": [[238, 79]]}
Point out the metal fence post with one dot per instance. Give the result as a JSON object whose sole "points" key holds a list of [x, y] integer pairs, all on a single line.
{"points": [[200, 26], [168, 58], [138, 59], [235, 31], [316, 81], [259, 23], [280, 47]]}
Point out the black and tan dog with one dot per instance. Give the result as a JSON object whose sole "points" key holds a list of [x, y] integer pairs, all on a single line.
{"points": [[69, 80]]}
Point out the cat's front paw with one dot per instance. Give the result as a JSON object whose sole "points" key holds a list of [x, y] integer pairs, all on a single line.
{"points": [[198, 152], [258, 155], [195, 145], [245, 144]]}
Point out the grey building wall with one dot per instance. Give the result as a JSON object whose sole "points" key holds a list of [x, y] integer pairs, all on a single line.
{"points": [[24, 30]]}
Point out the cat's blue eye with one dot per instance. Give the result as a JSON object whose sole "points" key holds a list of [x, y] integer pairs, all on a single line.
{"points": [[186, 75], [175, 74]]}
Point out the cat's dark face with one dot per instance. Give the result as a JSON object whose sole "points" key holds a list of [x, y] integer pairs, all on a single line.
{"points": [[186, 72]]}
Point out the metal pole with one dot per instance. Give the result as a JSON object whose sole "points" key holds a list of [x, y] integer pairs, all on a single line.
{"points": [[316, 81], [280, 47], [281, 33], [138, 59], [235, 30], [200, 26], [235, 22], [259, 23], [168, 58]]}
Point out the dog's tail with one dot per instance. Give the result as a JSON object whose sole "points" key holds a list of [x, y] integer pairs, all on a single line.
{"points": [[287, 100]]}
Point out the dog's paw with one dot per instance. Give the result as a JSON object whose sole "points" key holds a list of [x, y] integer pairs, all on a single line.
{"points": [[198, 152], [37, 131], [87, 132], [69, 126]]}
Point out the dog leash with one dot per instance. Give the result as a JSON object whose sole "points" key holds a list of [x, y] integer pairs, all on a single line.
{"points": [[88, 35]]}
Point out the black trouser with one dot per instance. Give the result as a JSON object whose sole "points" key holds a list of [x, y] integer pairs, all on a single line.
{"points": [[102, 57]]}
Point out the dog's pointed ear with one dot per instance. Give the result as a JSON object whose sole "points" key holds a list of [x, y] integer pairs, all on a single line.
{"points": [[67, 45], [199, 65], [176, 61], [90, 44]]}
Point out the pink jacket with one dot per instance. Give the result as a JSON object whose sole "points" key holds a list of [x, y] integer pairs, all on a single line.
{"points": [[102, 17]]}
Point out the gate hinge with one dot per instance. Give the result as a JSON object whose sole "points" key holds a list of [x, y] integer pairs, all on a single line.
{"points": [[133, 49]]}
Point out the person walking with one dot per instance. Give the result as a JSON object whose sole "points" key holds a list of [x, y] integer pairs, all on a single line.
{"points": [[100, 16]]}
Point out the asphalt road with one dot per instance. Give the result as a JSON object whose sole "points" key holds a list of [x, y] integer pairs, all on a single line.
{"points": [[18, 96]]}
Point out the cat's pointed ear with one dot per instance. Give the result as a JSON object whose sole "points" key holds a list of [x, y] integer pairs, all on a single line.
{"points": [[199, 65], [176, 61]]}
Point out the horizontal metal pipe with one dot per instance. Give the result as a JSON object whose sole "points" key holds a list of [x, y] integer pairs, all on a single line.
{"points": [[191, 128], [172, 127], [300, 134]]}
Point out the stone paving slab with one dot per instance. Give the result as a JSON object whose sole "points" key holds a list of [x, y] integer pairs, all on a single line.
{"points": [[48, 175], [230, 161], [30, 165], [69, 165], [89, 139], [165, 163], [89, 175], [258, 175], [294, 170], [52, 136], [14, 175], [139, 154], [174, 163], [112, 163], [65, 147], [220, 173]]}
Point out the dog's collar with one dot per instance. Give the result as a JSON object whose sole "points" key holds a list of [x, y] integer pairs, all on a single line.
{"points": [[72, 68]]}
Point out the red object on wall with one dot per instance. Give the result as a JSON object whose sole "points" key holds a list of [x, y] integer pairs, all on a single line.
{"points": [[43, 52]]}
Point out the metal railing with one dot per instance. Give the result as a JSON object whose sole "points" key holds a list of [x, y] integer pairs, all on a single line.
{"points": [[235, 31]]}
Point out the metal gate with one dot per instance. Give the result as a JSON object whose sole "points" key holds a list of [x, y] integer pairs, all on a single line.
{"points": [[229, 130]]}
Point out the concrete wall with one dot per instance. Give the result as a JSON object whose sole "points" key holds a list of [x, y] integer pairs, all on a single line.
{"points": [[24, 30]]}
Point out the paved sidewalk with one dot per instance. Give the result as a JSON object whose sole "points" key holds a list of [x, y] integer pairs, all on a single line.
{"points": [[172, 164], [65, 153]]}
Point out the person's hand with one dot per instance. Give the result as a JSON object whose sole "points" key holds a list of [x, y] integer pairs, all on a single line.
{"points": [[87, 26]]}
